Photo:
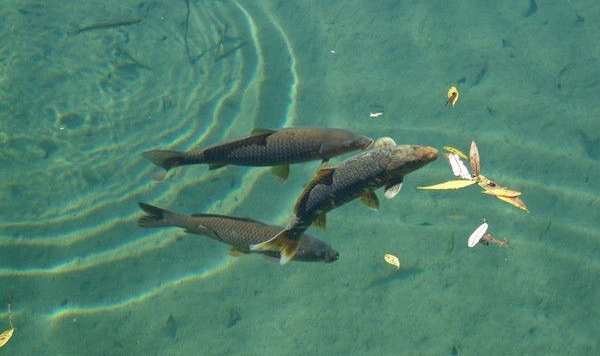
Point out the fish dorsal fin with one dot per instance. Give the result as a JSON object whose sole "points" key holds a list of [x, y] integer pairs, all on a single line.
{"points": [[320, 222], [324, 175], [215, 166], [370, 199], [383, 142], [237, 251], [282, 172], [391, 189], [259, 136], [260, 131]]}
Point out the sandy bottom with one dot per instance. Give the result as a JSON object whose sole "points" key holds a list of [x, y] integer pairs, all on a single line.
{"points": [[85, 90]]}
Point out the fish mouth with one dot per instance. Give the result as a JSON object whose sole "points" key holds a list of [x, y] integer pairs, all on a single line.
{"points": [[429, 154], [332, 257]]}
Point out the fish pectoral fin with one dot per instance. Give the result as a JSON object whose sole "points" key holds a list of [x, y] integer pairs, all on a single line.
{"points": [[370, 199], [320, 222], [282, 172], [284, 242], [215, 166], [391, 190], [237, 251]]}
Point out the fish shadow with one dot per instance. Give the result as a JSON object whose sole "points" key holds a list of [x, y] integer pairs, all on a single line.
{"points": [[394, 276]]}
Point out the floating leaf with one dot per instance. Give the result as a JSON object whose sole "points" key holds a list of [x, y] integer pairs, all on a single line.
{"points": [[452, 96], [452, 184], [477, 235], [486, 183], [391, 259], [456, 151], [516, 201], [5, 336], [458, 167], [502, 192], [474, 159]]}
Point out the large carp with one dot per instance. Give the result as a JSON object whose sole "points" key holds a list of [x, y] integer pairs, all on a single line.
{"points": [[356, 177]]}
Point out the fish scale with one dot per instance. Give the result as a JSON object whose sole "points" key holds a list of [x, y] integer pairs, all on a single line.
{"points": [[239, 233], [355, 177], [352, 177], [268, 148]]}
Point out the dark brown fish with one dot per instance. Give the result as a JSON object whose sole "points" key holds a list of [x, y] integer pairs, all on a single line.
{"points": [[268, 148], [239, 233], [356, 177]]}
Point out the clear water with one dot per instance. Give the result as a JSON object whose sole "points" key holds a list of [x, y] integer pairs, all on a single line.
{"points": [[86, 86]]}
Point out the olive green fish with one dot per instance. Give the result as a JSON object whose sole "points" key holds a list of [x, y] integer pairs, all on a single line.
{"points": [[277, 148], [239, 233], [356, 177]]}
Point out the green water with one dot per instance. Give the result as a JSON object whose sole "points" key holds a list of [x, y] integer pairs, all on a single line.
{"points": [[86, 86]]}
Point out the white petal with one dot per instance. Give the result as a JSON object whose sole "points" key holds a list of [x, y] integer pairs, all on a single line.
{"points": [[477, 235], [458, 167]]}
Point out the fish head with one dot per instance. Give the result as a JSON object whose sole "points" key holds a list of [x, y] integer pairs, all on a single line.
{"points": [[314, 250], [340, 141], [408, 158]]}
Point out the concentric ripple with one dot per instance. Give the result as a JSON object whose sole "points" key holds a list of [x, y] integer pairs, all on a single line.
{"points": [[173, 76]]}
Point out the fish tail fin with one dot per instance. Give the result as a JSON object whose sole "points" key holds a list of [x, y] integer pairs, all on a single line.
{"points": [[166, 159], [286, 243], [156, 217]]}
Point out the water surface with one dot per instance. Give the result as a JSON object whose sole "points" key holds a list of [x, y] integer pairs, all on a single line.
{"points": [[86, 87]]}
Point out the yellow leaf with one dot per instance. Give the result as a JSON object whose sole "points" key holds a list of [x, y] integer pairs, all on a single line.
{"points": [[456, 151], [5, 336], [502, 191], [516, 201], [391, 259], [452, 96], [486, 183], [452, 184]]}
